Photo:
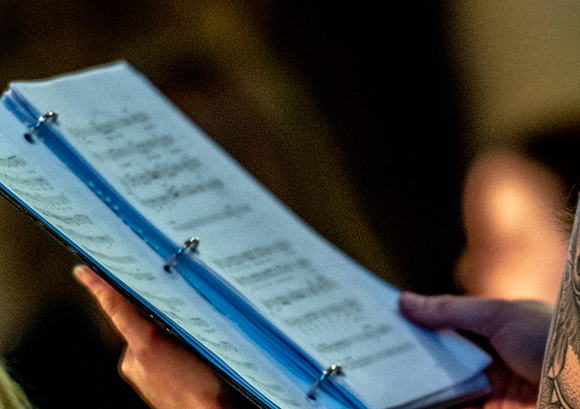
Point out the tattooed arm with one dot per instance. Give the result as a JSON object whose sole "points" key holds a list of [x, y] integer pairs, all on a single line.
{"points": [[560, 385]]}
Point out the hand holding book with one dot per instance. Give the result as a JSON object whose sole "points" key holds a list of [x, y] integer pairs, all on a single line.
{"points": [[515, 332], [165, 374]]}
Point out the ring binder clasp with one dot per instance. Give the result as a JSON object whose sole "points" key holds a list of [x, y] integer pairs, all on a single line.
{"points": [[332, 370], [32, 133], [189, 246]]}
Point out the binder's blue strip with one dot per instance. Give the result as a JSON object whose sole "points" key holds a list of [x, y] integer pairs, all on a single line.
{"points": [[207, 284]]}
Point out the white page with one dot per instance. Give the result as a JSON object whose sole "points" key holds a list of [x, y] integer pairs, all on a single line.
{"points": [[187, 187], [57, 196]]}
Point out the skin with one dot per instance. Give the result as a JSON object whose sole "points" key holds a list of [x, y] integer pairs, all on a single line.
{"points": [[514, 332], [164, 373], [515, 245]]}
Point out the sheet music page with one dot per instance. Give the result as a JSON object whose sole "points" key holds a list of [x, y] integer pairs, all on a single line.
{"points": [[187, 187], [63, 201]]}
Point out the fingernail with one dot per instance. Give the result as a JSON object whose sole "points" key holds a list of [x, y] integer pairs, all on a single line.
{"points": [[83, 275]]}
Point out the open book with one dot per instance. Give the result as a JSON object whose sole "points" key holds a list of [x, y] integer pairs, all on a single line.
{"points": [[170, 220]]}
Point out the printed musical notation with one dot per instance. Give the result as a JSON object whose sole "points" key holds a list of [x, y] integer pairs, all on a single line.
{"points": [[252, 255], [160, 172], [347, 309], [273, 272], [350, 363], [354, 339], [108, 126], [70, 219], [227, 212], [173, 193], [143, 148], [154, 169], [310, 288]]}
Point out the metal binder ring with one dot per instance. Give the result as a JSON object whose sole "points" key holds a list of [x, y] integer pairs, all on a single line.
{"points": [[334, 369], [33, 130], [189, 246]]}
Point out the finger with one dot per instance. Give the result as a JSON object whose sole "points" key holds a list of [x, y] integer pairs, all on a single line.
{"points": [[125, 317], [516, 330], [479, 316]]}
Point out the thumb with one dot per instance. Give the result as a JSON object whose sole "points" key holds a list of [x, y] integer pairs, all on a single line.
{"points": [[461, 313]]}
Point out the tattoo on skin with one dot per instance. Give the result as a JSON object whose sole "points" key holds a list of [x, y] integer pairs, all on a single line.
{"points": [[560, 384]]}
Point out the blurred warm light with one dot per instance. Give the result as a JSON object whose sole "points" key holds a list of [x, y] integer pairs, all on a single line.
{"points": [[516, 246], [510, 204]]}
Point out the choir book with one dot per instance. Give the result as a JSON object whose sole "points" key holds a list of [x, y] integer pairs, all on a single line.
{"points": [[113, 170]]}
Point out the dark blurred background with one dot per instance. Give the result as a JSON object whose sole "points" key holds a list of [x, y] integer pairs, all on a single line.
{"points": [[349, 112]]}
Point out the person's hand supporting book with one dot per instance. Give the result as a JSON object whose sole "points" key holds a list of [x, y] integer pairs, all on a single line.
{"points": [[165, 374], [513, 332]]}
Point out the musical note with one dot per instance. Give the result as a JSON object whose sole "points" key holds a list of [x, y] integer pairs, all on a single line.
{"points": [[228, 212], [12, 162], [25, 182], [349, 308], [274, 272], [143, 148], [254, 253], [174, 193], [77, 220], [347, 342], [98, 239], [314, 286], [110, 126], [350, 363], [161, 172], [47, 201]]}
